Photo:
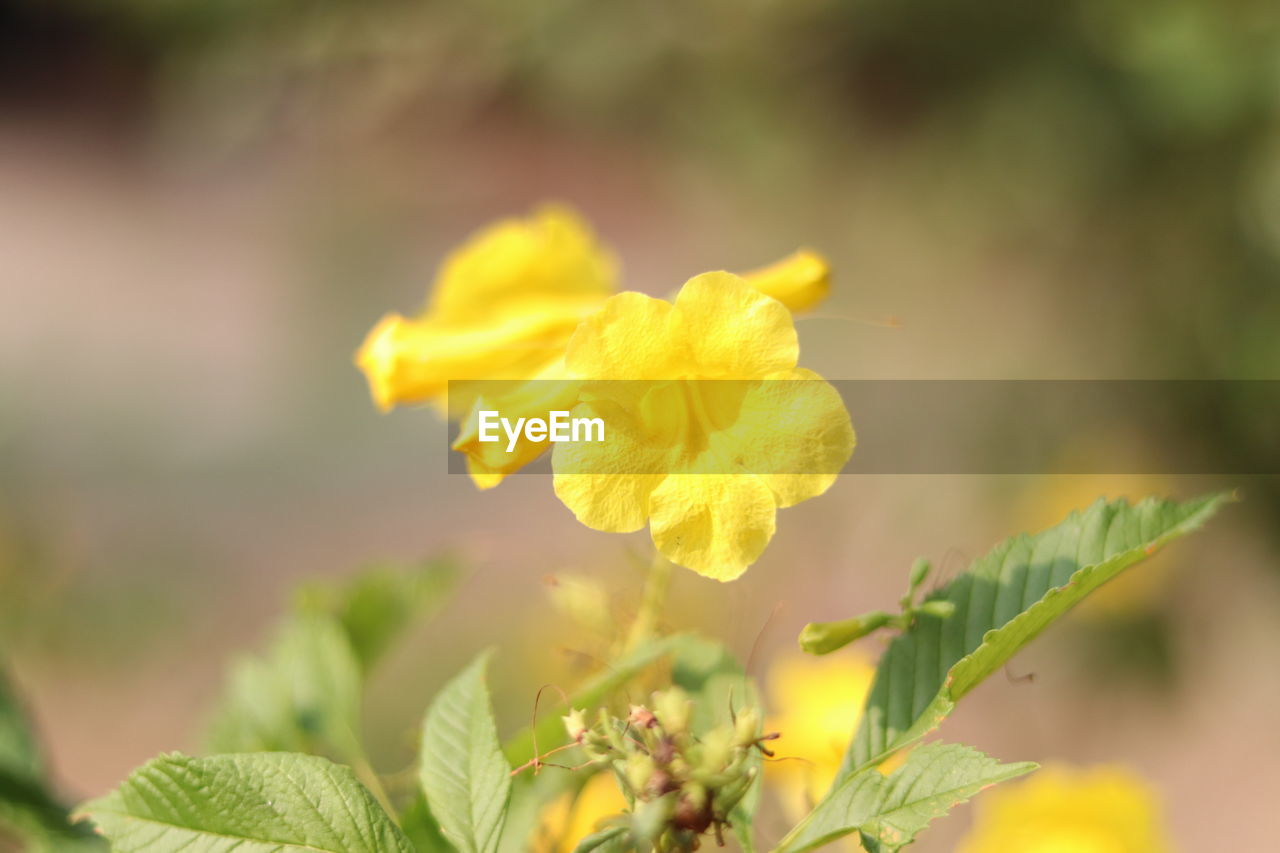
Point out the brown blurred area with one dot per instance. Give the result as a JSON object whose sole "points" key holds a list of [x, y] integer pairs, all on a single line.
{"points": [[203, 207]]}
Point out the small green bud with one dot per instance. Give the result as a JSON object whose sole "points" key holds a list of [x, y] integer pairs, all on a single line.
{"points": [[714, 752], [938, 607], [729, 796], [919, 571], [746, 728], [673, 708], [639, 771], [820, 638]]}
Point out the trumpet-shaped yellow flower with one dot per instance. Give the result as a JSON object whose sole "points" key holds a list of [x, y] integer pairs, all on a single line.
{"points": [[1064, 810], [503, 307], [818, 702], [705, 464]]}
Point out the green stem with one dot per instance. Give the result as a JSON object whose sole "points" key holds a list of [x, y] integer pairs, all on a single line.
{"points": [[655, 597]]}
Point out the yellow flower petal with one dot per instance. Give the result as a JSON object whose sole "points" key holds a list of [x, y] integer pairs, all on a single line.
{"points": [[799, 281], [733, 331], [630, 337], [793, 428], [552, 255], [413, 361], [489, 462], [607, 484], [715, 524], [1063, 810], [504, 307]]}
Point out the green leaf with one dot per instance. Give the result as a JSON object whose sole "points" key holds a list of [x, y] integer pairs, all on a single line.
{"points": [[302, 696], [613, 840], [379, 603], [19, 754], [1001, 603], [254, 803], [463, 773], [28, 807], [890, 811], [422, 828]]}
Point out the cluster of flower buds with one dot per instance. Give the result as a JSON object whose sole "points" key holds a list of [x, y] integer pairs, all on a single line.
{"points": [[681, 786]]}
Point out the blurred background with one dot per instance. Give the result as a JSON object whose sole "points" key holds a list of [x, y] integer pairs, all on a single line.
{"points": [[204, 207]]}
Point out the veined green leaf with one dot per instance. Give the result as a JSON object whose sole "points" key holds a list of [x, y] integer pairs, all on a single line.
{"points": [[378, 604], [302, 696], [1001, 603], [889, 811], [463, 773], [251, 803]]}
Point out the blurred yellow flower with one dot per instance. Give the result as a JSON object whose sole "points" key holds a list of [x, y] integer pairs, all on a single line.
{"points": [[1065, 810], [569, 819], [676, 443], [818, 702], [503, 307]]}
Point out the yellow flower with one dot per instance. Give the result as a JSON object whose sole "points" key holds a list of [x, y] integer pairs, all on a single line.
{"points": [[503, 307], [705, 464], [819, 703], [799, 281], [569, 819], [1064, 810]]}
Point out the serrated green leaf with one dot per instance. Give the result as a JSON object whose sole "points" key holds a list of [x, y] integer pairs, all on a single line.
{"points": [[1001, 603], [251, 803], [302, 696], [463, 773], [890, 811], [379, 603]]}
